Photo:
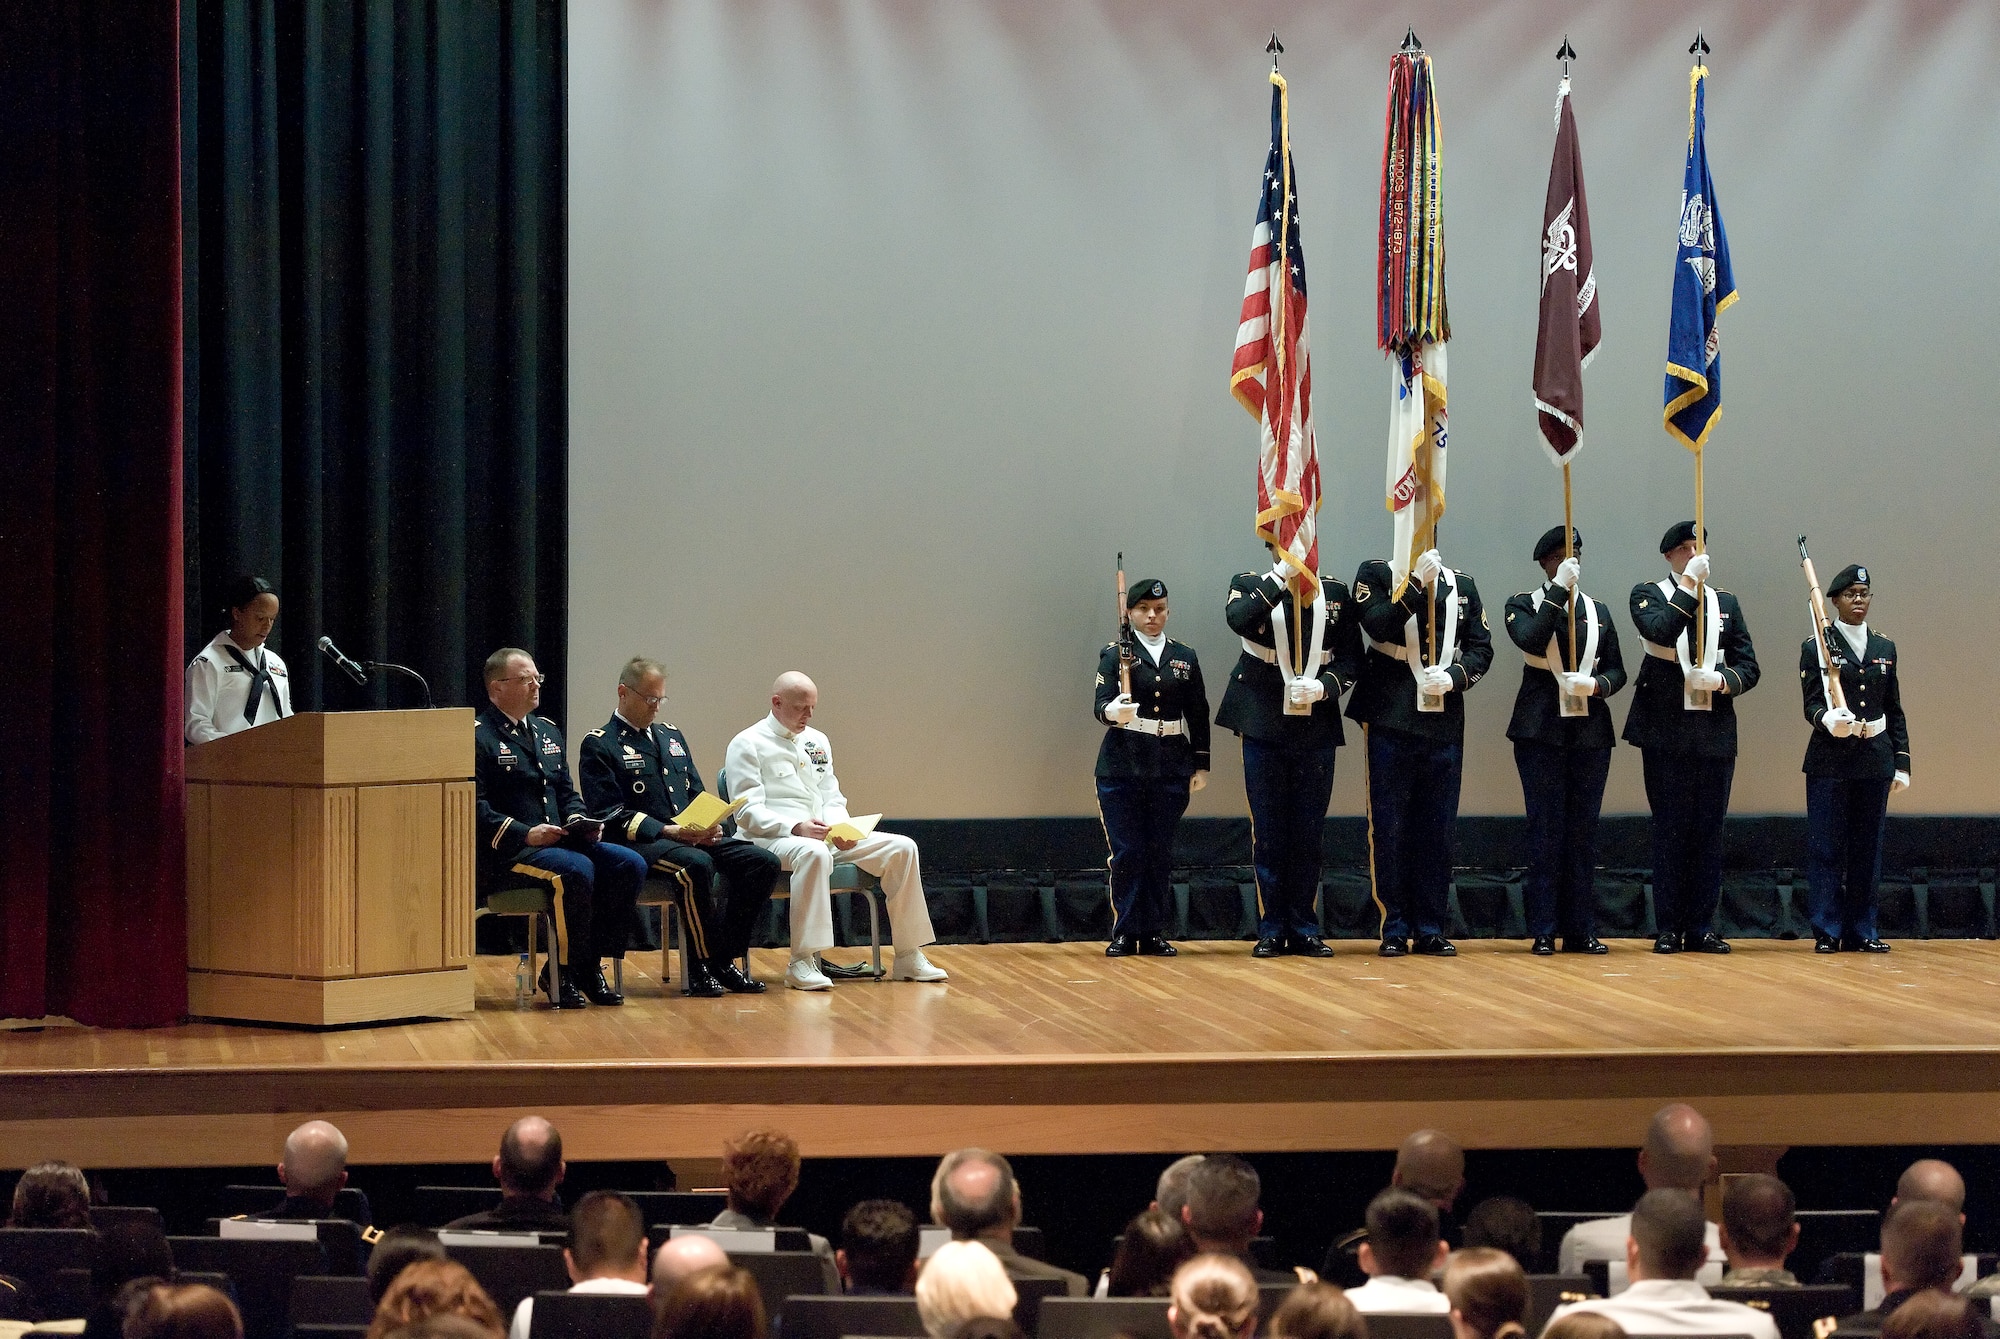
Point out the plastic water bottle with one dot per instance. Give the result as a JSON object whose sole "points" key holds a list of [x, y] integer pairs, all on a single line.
{"points": [[522, 986]]}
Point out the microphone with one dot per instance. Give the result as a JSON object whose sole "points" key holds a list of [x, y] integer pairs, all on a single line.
{"points": [[347, 667]]}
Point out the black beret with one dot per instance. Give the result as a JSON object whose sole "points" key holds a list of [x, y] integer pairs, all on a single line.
{"points": [[1552, 542], [1152, 588], [1679, 535], [1854, 574]]}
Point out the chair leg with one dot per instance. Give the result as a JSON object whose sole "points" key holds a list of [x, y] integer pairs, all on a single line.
{"points": [[618, 973], [555, 963], [670, 933], [874, 932]]}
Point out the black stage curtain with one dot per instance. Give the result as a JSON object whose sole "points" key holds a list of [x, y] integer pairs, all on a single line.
{"points": [[377, 416], [93, 918]]}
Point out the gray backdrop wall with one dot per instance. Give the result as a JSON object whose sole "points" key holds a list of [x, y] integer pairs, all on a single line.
{"points": [[890, 323]]}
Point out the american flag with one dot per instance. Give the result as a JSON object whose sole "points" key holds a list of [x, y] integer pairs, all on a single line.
{"points": [[1272, 373]]}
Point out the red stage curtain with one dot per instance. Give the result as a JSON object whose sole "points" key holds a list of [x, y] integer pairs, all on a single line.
{"points": [[93, 920]]}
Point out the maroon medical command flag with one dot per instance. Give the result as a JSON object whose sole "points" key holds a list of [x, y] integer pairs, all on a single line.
{"points": [[1570, 326]]}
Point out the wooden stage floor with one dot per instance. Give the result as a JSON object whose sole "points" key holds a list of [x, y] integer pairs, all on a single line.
{"points": [[1053, 1048]]}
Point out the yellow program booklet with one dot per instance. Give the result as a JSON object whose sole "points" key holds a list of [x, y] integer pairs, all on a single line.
{"points": [[705, 811], [854, 829]]}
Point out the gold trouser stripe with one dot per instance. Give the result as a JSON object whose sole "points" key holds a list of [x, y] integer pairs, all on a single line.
{"points": [[555, 902], [1108, 894], [1256, 879], [1368, 794], [697, 933]]}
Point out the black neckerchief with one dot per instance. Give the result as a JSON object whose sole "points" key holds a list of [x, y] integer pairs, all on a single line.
{"points": [[260, 679]]}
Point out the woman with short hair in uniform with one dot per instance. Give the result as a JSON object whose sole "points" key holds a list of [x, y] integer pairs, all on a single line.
{"points": [[237, 681], [1858, 755]]}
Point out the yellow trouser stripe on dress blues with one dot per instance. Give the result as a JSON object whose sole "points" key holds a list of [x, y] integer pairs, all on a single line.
{"points": [[690, 913], [555, 902], [1368, 798]]}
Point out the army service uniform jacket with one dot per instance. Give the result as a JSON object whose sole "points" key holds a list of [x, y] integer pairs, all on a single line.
{"points": [[522, 776], [1168, 691], [1386, 696], [1538, 717], [1253, 705], [649, 775], [1661, 611], [1873, 693]]}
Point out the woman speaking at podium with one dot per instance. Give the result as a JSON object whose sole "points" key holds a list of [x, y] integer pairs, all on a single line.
{"points": [[237, 682]]}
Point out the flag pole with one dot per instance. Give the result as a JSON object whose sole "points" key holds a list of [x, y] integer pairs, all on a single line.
{"points": [[1566, 53], [1280, 292], [1699, 49]]}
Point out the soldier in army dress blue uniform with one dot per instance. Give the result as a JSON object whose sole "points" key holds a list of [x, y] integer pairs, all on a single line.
{"points": [[644, 768], [1153, 756]]}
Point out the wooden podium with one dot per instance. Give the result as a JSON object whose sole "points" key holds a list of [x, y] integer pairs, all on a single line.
{"points": [[330, 869]]}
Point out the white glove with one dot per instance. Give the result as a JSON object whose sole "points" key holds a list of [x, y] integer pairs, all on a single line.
{"points": [[1704, 678], [1428, 566], [1198, 781], [1837, 721], [1901, 781], [1568, 572], [1437, 679], [1580, 685], [1120, 709], [1696, 571], [1280, 573], [1304, 692]]}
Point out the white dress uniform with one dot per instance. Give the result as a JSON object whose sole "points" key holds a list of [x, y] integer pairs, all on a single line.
{"points": [[786, 778], [218, 689]]}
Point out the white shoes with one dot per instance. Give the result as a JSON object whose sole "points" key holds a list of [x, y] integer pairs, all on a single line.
{"points": [[914, 966], [804, 974]]}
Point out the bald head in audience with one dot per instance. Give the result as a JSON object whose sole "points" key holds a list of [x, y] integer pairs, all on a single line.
{"points": [[530, 1161], [1932, 1179], [1679, 1153], [315, 1163], [1431, 1164], [1170, 1192], [975, 1195], [679, 1257], [1921, 1242]]}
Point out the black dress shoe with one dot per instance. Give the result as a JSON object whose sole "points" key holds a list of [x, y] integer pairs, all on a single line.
{"points": [[1308, 946], [1708, 943], [1434, 946], [1667, 943], [1826, 943], [1592, 945], [698, 981], [598, 991], [570, 998], [1156, 946], [1544, 946], [734, 980], [1868, 946], [1121, 946], [1393, 947], [1268, 948]]}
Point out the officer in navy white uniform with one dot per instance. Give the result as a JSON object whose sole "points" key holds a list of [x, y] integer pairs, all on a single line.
{"points": [[1411, 704], [1151, 759], [1288, 716], [783, 769], [1858, 755], [1683, 719], [642, 768], [1563, 738], [237, 681]]}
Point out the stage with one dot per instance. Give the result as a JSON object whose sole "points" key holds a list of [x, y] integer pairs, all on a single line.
{"points": [[1052, 1048]]}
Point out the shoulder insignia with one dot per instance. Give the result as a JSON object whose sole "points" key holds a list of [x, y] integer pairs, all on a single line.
{"points": [[1644, 603], [1510, 615], [594, 734], [1235, 594], [1241, 575], [1361, 591], [1100, 681], [1482, 621]]}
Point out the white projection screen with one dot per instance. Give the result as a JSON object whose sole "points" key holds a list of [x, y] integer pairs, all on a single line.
{"points": [[891, 323]]}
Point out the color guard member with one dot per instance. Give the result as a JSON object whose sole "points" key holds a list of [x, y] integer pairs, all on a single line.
{"points": [[237, 681], [1416, 751], [642, 768], [1683, 719], [1288, 754], [1153, 757], [1562, 745], [1858, 755]]}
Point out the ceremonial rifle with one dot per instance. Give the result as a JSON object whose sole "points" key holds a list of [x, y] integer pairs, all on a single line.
{"points": [[1822, 625], [1126, 655]]}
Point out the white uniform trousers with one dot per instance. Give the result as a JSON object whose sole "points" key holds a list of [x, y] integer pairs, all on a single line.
{"points": [[889, 856]]}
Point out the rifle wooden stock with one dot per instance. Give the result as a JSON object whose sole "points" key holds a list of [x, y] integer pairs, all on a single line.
{"points": [[1821, 626]]}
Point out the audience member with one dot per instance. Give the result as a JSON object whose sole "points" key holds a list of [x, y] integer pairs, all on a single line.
{"points": [[1507, 1224], [1224, 1213], [1488, 1292], [1429, 1163], [183, 1311], [51, 1194], [430, 1288], [961, 1280], [1932, 1179], [109, 1320], [1679, 1154], [1152, 1247], [606, 1252], [1400, 1255], [1316, 1311], [1921, 1245], [396, 1250], [975, 1195], [443, 1325], [1664, 1251], [1759, 1229], [989, 1327], [1214, 1297], [683, 1257], [529, 1168], [1936, 1315], [313, 1173], [878, 1249], [760, 1169], [124, 1255], [1170, 1191], [1583, 1325]]}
